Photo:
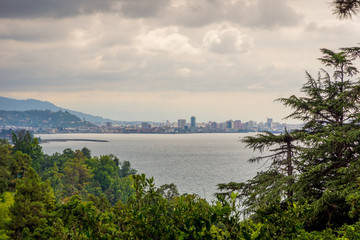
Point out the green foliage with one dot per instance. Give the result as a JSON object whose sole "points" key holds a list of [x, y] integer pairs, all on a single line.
{"points": [[330, 159], [82, 220], [86, 152], [34, 201], [25, 143], [6, 201], [125, 168], [19, 164], [76, 176], [12, 166], [5, 161], [320, 174], [169, 191], [77, 172], [147, 212], [274, 184], [109, 179]]}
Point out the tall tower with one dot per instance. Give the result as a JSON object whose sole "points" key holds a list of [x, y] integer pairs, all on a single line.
{"points": [[193, 122]]}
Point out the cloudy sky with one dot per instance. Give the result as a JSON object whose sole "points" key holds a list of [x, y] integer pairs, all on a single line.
{"points": [[159, 60]]}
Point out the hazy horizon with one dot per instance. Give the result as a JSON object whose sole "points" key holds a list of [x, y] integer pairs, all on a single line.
{"points": [[166, 60]]}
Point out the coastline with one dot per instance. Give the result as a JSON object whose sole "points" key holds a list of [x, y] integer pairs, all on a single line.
{"points": [[72, 140]]}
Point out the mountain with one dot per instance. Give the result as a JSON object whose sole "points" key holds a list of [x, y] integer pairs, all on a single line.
{"points": [[42, 119], [9, 104]]}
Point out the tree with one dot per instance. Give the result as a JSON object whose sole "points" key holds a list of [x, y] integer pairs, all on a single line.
{"points": [[19, 164], [5, 160], [86, 152], [6, 201], [345, 8], [330, 110], [76, 176], [12, 166], [25, 143], [276, 183], [126, 170], [33, 202], [324, 168], [168, 191]]}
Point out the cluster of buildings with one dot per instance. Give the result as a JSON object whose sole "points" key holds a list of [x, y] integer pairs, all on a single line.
{"points": [[229, 126], [181, 126]]}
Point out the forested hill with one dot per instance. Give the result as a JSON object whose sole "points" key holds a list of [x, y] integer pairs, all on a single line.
{"points": [[41, 118], [9, 104]]}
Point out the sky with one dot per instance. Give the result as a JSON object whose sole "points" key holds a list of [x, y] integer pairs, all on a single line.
{"points": [[157, 60]]}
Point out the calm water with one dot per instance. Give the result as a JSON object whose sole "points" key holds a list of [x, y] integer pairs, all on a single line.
{"points": [[196, 163]]}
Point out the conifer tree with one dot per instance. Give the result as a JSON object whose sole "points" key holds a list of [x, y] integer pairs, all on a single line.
{"points": [[274, 184], [346, 8], [331, 134], [325, 167]]}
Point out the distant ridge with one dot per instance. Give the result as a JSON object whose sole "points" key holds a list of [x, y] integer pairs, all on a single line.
{"points": [[9, 104], [42, 119]]}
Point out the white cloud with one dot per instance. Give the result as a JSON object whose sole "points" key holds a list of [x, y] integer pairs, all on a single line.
{"points": [[165, 40], [227, 40]]}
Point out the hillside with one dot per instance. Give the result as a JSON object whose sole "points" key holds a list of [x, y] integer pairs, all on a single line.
{"points": [[41, 118], [9, 104]]}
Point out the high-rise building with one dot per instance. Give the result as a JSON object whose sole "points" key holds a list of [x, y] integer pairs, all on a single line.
{"points": [[181, 123], [237, 124], [229, 124], [193, 122]]}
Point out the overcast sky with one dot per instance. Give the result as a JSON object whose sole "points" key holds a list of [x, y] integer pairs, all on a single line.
{"points": [[158, 60]]}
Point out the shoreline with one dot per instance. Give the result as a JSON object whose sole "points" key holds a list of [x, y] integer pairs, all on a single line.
{"points": [[71, 140]]}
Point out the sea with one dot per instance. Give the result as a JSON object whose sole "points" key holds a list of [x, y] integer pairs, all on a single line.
{"points": [[195, 163]]}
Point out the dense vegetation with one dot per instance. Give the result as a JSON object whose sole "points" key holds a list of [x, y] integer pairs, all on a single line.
{"points": [[41, 118]]}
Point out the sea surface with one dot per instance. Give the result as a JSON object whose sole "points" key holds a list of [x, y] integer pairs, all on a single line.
{"points": [[196, 163]]}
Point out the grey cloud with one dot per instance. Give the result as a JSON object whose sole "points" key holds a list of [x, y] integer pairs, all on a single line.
{"points": [[51, 8], [336, 30], [195, 13], [56, 74], [34, 31], [275, 13], [258, 13], [142, 8], [69, 8]]}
